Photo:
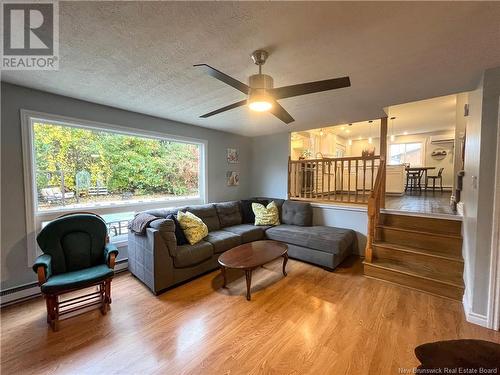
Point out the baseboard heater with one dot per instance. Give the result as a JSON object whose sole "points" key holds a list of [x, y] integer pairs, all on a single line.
{"points": [[32, 290]]}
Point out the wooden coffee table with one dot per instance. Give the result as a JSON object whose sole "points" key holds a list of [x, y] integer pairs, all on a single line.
{"points": [[252, 255]]}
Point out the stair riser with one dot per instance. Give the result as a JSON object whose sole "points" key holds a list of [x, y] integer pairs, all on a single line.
{"points": [[435, 264], [414, 282], [449, 245], [424, 224]]}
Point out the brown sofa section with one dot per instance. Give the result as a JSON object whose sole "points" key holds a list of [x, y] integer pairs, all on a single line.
{"points": [[160, 263]]}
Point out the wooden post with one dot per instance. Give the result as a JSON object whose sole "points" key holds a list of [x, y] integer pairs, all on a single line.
{"points": [[383, 156]]}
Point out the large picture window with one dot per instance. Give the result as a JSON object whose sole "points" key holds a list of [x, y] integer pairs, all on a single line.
{"points": [[406, 153], [74, 165], [78, 168]]}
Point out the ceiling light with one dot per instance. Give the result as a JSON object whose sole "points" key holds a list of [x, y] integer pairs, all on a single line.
{"points": [[260, 101], [342, 127], [405, 133], [347, 131], [321, 132], [260, 106], [393, 138], [350, 142], [370, 140]]}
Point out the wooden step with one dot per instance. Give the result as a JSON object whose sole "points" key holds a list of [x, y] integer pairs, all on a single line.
{"points": [[431, 260], [422, 223], [449, 286], [444, 243]]}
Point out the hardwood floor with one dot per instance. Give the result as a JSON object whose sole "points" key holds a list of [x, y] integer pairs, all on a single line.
{"points": [[312, 321], [424, 202]]}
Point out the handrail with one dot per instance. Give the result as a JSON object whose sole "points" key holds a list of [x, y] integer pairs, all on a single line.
{"points": [[374, 202], [345, 158]]}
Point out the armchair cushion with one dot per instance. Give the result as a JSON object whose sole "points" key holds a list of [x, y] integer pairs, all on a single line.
{"points": [[74, 242], [77, 279], [108, 250], [44, 261]]}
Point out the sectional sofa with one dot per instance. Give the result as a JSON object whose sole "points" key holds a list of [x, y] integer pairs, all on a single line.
{"points": [[157, 260]]}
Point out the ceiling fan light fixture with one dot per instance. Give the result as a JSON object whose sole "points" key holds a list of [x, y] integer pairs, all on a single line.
{"points": [[260, 106], [260, 101]]}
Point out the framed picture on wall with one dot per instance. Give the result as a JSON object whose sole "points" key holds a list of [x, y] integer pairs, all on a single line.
{"points": [[233, 156], [233, 178]]}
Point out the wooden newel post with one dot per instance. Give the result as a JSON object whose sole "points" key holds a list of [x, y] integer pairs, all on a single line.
{"points": [[371, 229]]}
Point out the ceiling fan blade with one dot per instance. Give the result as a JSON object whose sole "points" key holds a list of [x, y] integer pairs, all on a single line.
{"points": [[281, 113], [224, 109], [225, 78], [310, 87]]}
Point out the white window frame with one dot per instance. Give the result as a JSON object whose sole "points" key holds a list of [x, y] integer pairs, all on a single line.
{"points": [[34, 219], [422, 157]]}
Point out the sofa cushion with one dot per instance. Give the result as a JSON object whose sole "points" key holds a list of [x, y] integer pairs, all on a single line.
{"points": [[223, 240], [77, 279], [179, 233], [278, 201], [191, 255], [164, 212], [229, 213], [266, 215], [327, 239], [296, 213], [194, 228], [167, 229], [248, 217], [248, 232], [207, 213]]}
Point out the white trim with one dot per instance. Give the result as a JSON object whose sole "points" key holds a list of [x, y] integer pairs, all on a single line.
{"points": [[473, 317], [494, 281], [33, 217], [29, 194]]}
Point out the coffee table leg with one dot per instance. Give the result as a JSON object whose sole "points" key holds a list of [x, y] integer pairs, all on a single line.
{"points": [[223, 271], [248, 275], [285, 259]]}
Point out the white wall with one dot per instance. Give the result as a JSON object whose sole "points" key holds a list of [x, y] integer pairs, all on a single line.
{"points": [[354, 218], [480, 155], [270, 165], [14, 264]]}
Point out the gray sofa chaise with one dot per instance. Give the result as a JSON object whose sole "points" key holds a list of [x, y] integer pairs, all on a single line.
{"points": [[160, 263]]}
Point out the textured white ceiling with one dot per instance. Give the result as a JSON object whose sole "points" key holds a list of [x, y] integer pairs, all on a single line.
{"points": [[139, 56]]}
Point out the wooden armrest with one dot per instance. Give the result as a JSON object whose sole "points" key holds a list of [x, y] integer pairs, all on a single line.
{"points": [[111, 260], [42, 277]]}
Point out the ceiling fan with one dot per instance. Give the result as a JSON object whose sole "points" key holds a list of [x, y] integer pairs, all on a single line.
{"points": [[262, 96]]}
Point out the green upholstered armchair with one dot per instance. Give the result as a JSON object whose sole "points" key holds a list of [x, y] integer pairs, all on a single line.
{"points": [[77, 255]]}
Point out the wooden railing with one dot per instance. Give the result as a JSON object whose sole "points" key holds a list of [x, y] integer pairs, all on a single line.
{"points": [[375, 201], [348, 180]]}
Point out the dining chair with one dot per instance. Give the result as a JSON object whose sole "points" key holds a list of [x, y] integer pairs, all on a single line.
{"points": [[439, 177], [414, 180]]}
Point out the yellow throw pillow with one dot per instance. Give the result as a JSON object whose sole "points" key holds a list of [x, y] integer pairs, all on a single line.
{"points": [[192, 226], [266, 215]]}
